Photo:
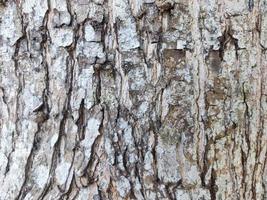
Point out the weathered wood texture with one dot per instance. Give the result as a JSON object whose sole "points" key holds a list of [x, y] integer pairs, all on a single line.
{"points": [[133, 99]]}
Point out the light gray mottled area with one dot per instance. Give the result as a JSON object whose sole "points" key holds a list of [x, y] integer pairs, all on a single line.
{"points": [[133, 99]]}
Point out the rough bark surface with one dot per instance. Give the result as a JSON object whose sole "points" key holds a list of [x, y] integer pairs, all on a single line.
{"points": [[133, 99]]}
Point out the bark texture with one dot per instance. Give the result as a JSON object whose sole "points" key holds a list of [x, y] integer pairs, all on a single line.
{"points": [[133, 99]]}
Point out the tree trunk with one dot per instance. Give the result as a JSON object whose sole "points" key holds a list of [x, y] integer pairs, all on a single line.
{"points": [[133, 99]]}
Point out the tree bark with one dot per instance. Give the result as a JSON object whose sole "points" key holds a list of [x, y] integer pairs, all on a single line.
{"points": [[133, 99]]}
